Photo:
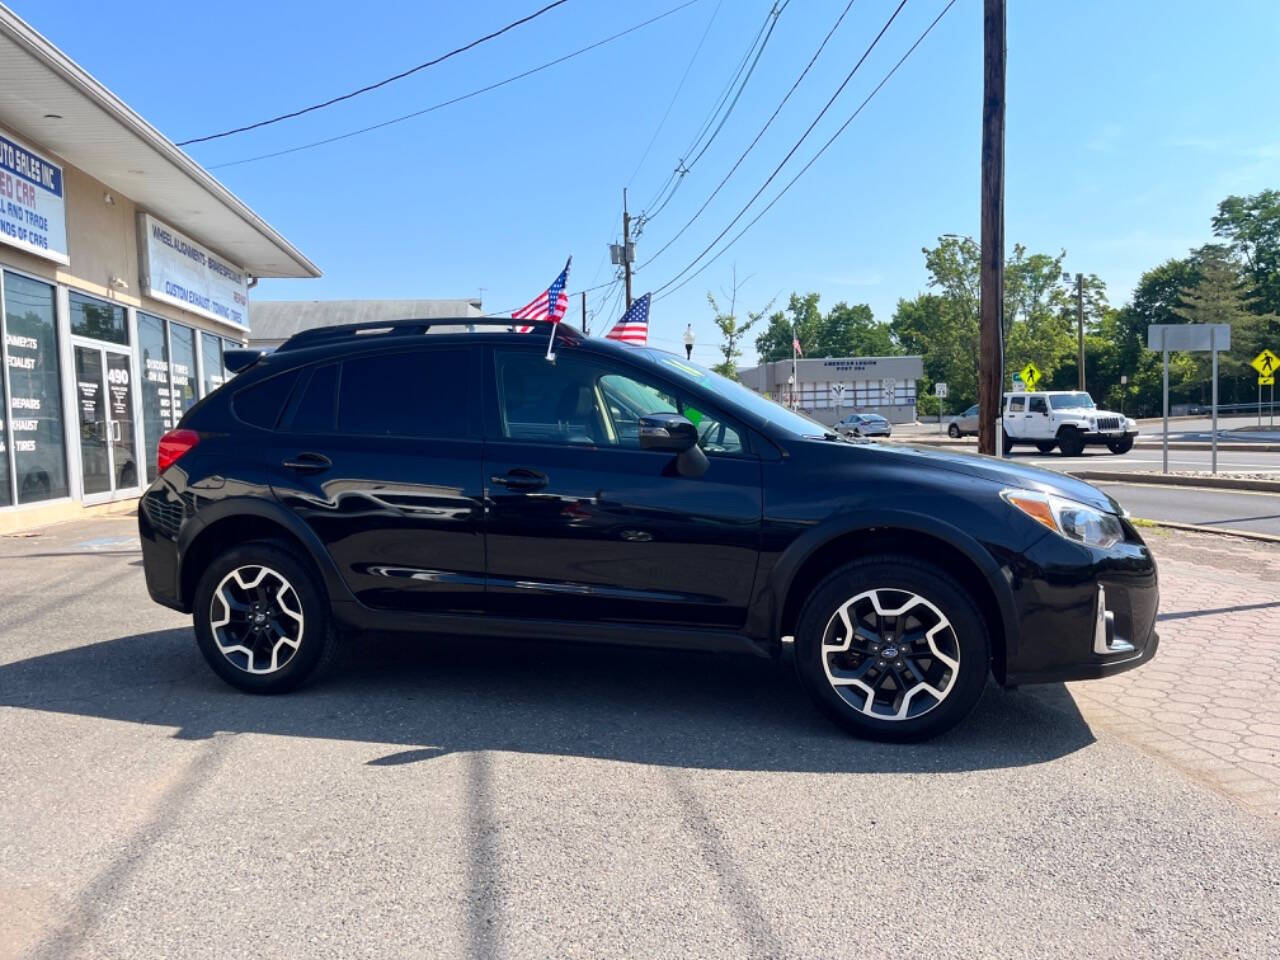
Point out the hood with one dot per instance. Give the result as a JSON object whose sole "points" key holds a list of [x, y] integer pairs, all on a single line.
{"points": [[1005, 472]]}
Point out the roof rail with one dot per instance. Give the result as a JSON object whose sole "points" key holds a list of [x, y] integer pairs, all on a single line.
{"points": [[320, 335]]}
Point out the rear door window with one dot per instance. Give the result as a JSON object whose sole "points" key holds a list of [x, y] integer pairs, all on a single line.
{"points": [[1037, 405], [427, 393]]}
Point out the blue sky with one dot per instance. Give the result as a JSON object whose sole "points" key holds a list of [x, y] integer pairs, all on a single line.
{"points": [[1127, 122]]}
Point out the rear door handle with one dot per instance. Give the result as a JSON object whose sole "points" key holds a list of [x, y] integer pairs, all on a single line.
{"points": [[520, 478], [308, 463]]}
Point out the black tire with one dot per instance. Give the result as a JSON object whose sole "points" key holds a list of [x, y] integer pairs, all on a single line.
{"points": [[317, 639], [1045, 446], [968, 633], [1121, 446], [1006, 441], [953, 432], [1070, 442]]}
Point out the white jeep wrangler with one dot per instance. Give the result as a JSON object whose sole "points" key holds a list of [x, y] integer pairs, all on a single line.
{"points": [[1066, 419]]}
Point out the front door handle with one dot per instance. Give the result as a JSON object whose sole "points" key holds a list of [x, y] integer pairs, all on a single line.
{"points": [[308, 463], [520, 478]]}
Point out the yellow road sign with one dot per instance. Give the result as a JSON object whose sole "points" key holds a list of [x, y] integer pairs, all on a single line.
{"points": [[1266, 381], [1266, 363], [1030, 375]]}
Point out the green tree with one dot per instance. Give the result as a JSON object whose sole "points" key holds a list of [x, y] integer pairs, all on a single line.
{"points": [[732, 330], [852, 331], [1251, 225], [1220, 296], [845, 331]]}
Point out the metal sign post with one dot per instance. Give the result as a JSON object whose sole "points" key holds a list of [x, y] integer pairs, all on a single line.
{"points": [[1164, 349], [1189, 337], [1213, 350]]}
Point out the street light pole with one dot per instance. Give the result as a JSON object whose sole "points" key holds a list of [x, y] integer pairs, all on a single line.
{"points": [[1080, 324]]}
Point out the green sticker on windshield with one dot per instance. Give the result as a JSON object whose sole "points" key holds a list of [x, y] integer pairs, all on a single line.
{"points": [[693, 416]]}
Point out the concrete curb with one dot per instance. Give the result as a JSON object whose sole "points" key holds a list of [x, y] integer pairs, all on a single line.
{"points": [[1210, 483], [1146, 446], [1220, 531]]}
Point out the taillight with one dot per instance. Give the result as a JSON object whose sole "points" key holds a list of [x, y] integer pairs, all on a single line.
{"points": [[174, 445]]}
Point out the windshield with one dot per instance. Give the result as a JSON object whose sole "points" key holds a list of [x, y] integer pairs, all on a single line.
{"points": [[743, 397], [1071, 401]]}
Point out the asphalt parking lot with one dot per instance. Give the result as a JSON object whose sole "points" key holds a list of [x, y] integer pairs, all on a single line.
{"points": [[469, 799]]}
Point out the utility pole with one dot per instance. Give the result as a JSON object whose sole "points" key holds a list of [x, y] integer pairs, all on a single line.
{"points": [[1080, 324], [991, 349], [626, 245], [585, 331]]}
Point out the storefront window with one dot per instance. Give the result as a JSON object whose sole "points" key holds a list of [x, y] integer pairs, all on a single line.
{"points": [[6, 487], [156, 409], [98, 319], [35, 415], [182, 364], [211, 357]]}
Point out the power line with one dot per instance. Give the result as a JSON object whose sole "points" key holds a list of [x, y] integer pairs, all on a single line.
{"points": [[676, 96], [458, 99], [752, 145], [791, 152], [380, 83], [739, 80], [812, 160]]}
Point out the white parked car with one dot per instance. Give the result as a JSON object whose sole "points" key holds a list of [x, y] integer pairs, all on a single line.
{"points": [[864, 425], [1066, 419], [963, 424]]}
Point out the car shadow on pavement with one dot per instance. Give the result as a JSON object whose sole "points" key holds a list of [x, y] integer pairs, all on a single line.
{"points": [[438, 696]]}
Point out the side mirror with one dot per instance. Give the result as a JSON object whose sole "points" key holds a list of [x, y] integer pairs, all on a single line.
{"points": [[667, 431]]}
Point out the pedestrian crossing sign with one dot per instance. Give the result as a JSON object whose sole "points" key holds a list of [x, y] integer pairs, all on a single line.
{"points": [[1266, 363], [1266, 381], [1030, 375]]}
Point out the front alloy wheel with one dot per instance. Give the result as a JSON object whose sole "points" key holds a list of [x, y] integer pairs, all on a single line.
{"points": [[892, 648], [891, 654]]}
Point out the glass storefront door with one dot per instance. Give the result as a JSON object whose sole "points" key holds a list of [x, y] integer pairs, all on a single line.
{"points": [[104, 407]]}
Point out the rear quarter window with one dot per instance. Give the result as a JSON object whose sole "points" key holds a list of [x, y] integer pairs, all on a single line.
{"points": [[262, 403]]}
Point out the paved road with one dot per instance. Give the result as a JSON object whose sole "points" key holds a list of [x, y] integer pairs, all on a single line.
{"points": [[500, 800], [1144, 459], [1230, 509]]}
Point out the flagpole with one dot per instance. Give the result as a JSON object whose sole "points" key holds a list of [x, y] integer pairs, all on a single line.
{"points": [[550, 341], [795, 382]]}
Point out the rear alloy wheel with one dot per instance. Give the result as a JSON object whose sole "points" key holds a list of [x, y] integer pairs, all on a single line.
{"points": [[1045, 446], [953, 432], [892, 649], [1070, 442], [1120, 446], [262, 621], [1006, 441]]}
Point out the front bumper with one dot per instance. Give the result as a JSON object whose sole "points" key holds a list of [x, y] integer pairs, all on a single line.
{"points": [[1083, 613]]}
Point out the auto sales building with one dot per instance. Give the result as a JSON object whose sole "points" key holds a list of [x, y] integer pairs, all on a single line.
{"points": [[125, 271]]}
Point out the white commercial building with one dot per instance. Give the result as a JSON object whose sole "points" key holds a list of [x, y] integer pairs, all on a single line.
{"points": [[827, 388], [125, 270]]}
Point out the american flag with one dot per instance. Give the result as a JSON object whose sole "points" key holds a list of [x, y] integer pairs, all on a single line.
{"points": [[633, 326], [795, 345], [551, 304]]}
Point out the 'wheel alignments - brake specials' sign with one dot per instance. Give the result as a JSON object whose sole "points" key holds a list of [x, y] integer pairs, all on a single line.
{"points": [[33, 210], [180, 271]]}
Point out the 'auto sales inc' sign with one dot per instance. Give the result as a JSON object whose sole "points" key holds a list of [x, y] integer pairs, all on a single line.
{"points": [[180, 271], [33, 210]]}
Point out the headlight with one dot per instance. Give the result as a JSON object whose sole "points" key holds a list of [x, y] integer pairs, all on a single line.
{"points": [[1130, 423], [1075, 521]]}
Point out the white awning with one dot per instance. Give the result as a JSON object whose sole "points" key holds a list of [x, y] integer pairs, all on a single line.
{"points": [[52, 102]]}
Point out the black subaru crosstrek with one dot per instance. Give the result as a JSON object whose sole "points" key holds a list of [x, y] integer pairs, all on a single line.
{"points": [[454, 481]]}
